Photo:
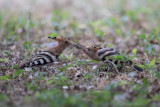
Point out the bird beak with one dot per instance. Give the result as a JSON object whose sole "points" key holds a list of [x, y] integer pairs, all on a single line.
{"points": [[78, 46]]}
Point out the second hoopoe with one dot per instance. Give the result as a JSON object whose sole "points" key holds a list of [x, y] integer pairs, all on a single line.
{"points": [[106, 55], [49, 55]]}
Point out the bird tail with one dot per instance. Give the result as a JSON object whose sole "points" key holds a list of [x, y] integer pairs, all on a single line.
{"points": [[24, 65], [134, 66], [137, 68], [41, 58], [36, 62]]}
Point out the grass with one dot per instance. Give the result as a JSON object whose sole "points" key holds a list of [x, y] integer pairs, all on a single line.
{"points": [[132, 27]]}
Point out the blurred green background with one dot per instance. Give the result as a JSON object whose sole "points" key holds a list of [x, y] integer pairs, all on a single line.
{"points": [[130, 26]]}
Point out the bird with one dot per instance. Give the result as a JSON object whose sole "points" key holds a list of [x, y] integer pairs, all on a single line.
{"points": [[107, 55], [48, 55]]}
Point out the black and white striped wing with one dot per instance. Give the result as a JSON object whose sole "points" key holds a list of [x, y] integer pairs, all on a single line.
{"points": [[41, 58], [106, 52], [110, 52]]}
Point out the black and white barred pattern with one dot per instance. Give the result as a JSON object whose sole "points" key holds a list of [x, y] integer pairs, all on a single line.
{"points": [[41, 58], [110, 53], [107, 52]]}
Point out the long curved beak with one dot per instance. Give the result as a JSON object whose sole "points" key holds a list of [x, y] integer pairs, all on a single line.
{"points": [[78, 46]]}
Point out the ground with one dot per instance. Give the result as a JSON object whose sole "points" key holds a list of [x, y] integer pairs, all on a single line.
{"points": [[131, 27]]}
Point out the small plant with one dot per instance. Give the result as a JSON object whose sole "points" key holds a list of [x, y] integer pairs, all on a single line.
{"points": [[18, 72], [55, 34], [6, 77]]}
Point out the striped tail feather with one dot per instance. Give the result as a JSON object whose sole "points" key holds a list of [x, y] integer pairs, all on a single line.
{"points": [[41, 58], [26, 64], [128, 62], [134, 66], [36, 62], [110, 52], [137, 68], [106, 52]]}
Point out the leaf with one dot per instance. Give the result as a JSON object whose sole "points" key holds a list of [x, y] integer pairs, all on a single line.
{"points": [[132, 15], [27, 45], [6, 77], [3, 97], [68, 66], [149, 48], [4, 60], [152, 63], [134, 51], [112, 21], [89, 76], [102, 97], [18, 72], [66, 15], [55, 34], [7, 52], [131, 57], [69, 57], [118, 31], [98, 23], [142, 36], [81, 62], [157, 74], [56, 12], [60, 80], [74, 25], [156, 97], [99, 32], [93, 61], [145, 81], [50, 82], [110, 45], [119, 57], [142, 66], [31, 24], [15, 66], [140, 102], [65, 67]]}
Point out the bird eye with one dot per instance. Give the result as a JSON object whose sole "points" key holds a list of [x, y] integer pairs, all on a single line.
{"points": [[66, 41]]}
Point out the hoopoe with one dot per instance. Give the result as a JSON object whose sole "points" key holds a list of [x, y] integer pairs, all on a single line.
{"points": [[49, 55], [106, 55]]}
